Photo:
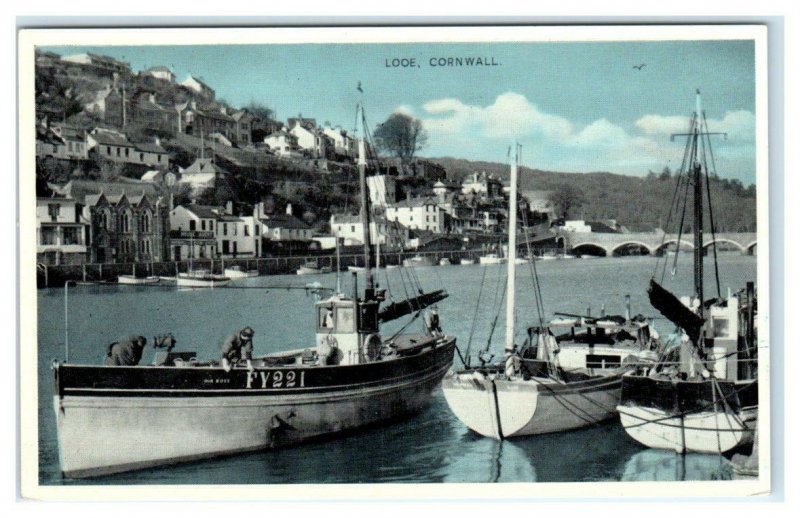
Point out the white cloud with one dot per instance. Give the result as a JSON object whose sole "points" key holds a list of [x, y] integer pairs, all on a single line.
{"points": [[553, 142], [739, 125]]}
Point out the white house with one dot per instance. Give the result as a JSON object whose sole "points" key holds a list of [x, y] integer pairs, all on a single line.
{"points": [[102, 63], [482, 184], [350, 230], [200, 175], [283, 143], [382, 190], [418, 213], [282, 227], [343, 144], [161, 72], [577, 225], [62, 234], [311, 140], [116, 147], [199, 87]]}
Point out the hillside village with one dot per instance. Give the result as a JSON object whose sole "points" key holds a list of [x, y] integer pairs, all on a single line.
{"points": [[137, 166]]}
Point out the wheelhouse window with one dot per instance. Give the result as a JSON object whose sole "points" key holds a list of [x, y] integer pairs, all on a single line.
{"points": [[345, 321]]}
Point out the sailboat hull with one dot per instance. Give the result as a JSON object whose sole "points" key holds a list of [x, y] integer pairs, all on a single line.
{"points": [[500, 408], [689, 416], [107, 426], [702, 432]]}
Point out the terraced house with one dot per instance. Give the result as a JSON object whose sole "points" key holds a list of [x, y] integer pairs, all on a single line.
{"points": [[115, 146]]}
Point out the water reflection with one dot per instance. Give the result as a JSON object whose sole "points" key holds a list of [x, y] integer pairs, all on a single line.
{"points": [[481, 459], [662, 465]]}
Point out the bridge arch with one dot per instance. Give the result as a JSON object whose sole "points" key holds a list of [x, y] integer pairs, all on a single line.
{"points": [[590, 249], [660, 249], [751, 248], [642, 248], [738, 245]]}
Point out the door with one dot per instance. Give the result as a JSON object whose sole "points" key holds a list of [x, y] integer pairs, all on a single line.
{"points": [[177, 253]]}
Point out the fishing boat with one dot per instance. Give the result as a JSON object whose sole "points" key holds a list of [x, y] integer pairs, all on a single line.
{"points": [[556, 381], [137, 281], [444, 261], [237, 272], [115, 419], [467, 261], [702, 395], [313, 268]]}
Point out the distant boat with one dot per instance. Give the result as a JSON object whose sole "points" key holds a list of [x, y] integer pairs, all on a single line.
{"points": [[236, 272], [418, 261], [202, 279], [137, 281], [313, 268], [355, 268], [492, 258], [444, 261], [467, 261]]}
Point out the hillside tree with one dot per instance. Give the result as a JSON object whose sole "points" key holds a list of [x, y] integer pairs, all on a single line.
{"points": [[401, 136]]}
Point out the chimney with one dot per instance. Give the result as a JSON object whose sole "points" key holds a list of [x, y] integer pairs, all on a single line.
{"points": [[157, 141], [229, 208], [289, 209]]}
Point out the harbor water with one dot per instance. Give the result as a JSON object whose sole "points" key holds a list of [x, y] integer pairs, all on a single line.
{"points": [[432, 446]]}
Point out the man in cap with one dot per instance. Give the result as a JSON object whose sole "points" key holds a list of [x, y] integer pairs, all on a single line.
{"points": [[432, 322], [127, 352], [238, 346]]}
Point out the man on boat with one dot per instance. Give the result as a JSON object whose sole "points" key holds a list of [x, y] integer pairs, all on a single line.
{"points": [[127, 352], [432, 323], [237, 347]]}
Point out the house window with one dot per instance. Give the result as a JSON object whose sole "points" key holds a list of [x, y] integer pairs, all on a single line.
{"points": [[127, 152], [235, 227], [211, 226], [202, 224], [246, 230], [48, 236], [353, 229], [124, 222], [159, 158], [53, 209], [108, 150], [117, 151], [255, 229], [192, 225], [141, 157], [224, 229]]}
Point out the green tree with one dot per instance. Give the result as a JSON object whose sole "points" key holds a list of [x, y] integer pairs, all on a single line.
{"points": [[566, 197], [401, 136]]}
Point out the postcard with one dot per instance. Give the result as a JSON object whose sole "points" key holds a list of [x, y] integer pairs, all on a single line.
{"points": [[394, 262]]}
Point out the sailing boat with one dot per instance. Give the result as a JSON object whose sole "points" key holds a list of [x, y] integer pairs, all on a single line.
{"points": [[350, 377], [554, 383], [702, 395], [200, 278]]}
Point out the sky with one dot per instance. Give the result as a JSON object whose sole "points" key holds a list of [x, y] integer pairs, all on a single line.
{"points": [[574, 106]]}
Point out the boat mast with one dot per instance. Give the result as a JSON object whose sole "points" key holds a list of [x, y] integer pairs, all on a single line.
{"points": [[698, 207], [365, 212], [512, 253]]}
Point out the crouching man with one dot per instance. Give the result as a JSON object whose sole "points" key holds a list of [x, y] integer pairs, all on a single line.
{"points": [[237, 347], [127, 352]]}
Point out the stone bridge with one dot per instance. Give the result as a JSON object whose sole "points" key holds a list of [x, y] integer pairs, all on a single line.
{"points": [[652, 243]]}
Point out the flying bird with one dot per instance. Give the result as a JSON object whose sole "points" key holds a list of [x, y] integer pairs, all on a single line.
{"points": [[639, 67], [359, 87]]}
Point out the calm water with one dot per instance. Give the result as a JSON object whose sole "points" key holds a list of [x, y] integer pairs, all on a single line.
{"points": [[432, 446]]}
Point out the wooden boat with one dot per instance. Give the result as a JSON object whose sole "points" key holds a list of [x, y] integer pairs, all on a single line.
{"points": [[556, 382], [114, 419], [133, 280], [702, 395], [236, 272], [467, 261]]}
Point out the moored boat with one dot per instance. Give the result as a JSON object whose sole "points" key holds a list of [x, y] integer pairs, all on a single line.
{"points": [[418, 261], [350, 377], [237, 272], [702, 395], [467, 261], [133, 280], [201, 279], [491, 258], [553, 383], [313, 268], [444, 261]]}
